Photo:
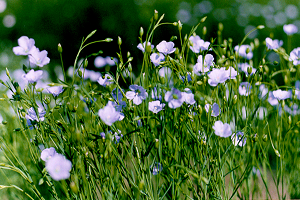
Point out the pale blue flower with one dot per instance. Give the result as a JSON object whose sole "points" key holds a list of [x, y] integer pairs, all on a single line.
{"points": [[281, 94], [238, 139], [107, 80], [155, 106], [55, 90], [111, 61], [109, 114], [273, 44], [222, 130], [25, 46], [272, 100], [215, 109], [295, 56], [188, 96], [245, 88], [165, 47], [290, 29], [157, 58], [203, 66], [174, 98], [198, 44], [242, 51], [48, 153], [217, 76], [137, 94], [59, 167], [99, 62], [231, 72], [38, 57], [33, 76]]}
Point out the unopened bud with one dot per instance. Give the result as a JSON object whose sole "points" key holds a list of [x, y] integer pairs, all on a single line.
{"points": [[141, 31], [179, 25], [290, 120], [40, 89], [256, 43], [220, 26], [80, 73], [128, 54], [249, 70], [108, 40], [203, 19], [155, 15], [85, 64], [119, 41], [247, 50], [204, 30], [260, 27], [130, 59], [148, 48], [234, 99], [141, 185], [129, 67], [59, 48], [73, 187]]}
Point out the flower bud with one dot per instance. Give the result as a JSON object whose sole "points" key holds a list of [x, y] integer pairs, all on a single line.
{"points": [[40, 89], [73, 187], [119, 41], [130, 59], [203, 19], [204, 30], [59, 48], [129, 67], [148, 48], [141, 31], [4, 122], [249, 70], [179, 25], [290, 120], [234, 99], [108, 40], [141, 185], [80, 73], [128, 54], [260, 27], [247, 50], [221, 27], [155, 15]]}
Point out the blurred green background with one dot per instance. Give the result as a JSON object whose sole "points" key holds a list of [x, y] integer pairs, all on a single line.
{"points": [[51, 22]]}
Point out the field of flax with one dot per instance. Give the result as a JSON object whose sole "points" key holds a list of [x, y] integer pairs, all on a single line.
{"points": [[203, 119]]}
